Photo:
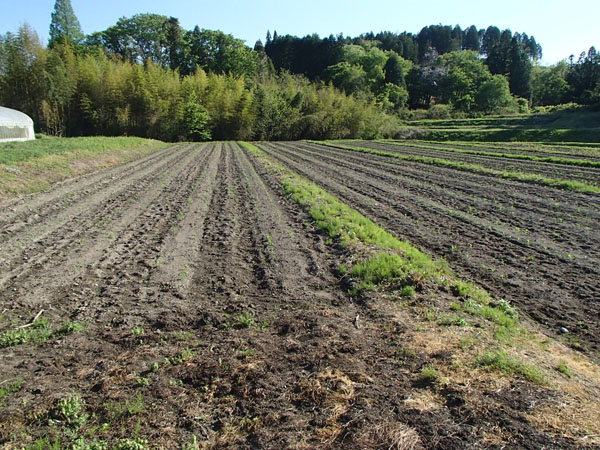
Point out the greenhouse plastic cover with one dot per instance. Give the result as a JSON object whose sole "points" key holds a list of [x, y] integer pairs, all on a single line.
{"points": [[15, 126], [13, 118]]}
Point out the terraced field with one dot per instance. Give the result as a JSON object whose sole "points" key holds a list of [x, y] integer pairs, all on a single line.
{"points": [[185, 300]]}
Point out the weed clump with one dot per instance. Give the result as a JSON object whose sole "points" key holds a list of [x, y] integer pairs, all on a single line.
{"points": [[501, 361]]}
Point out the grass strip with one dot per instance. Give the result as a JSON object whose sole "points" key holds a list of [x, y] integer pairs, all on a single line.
{"points": [[546, 159], [569, 185], [394, 262], [341, 222], [32, 166], [16, 152], [581, 135], [563, 148]]}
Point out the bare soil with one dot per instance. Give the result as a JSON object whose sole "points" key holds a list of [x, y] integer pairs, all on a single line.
{"points": [[552, 170], [213, 315], [535, 246]]}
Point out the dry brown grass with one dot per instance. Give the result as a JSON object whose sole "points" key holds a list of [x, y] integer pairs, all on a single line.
{"points": [[573, 410], [389, 435], [330, 389]]}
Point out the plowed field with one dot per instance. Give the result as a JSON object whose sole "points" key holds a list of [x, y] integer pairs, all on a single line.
{"points": [[536, 246], [182, 299]]}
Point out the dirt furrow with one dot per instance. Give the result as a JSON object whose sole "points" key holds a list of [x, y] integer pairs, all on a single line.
{"points": [[505, 193], [64, 255], [214, 317], [564, 240], [27, 240], [551, 291], [553, 170], [542, 151], [24, 211]]}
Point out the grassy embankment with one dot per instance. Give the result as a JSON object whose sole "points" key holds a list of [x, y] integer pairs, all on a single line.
{"points": [[565, 126], [489, 343], [27, 167], [571, 185]]}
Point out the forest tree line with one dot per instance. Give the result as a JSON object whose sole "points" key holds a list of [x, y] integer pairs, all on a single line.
{"points": [[147, 76]]}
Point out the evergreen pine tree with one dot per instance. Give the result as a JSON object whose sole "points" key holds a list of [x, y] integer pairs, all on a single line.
{"points": [[64, 24]]}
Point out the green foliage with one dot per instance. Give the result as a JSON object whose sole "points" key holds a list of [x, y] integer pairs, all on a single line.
{"points": [[450, 320], [128, 79], [69, 328], [391, 268], [82, 444], [501, 361], [408, 292], [64, 25], [428, 375], [549, 159], [217, 52], [396, 260], [45, 444], [70, 411], [195, 120], [138, 39], [132, 444], [466, 74], [39, 332], [138, 331], [10, 388], [245, 319], [494, 97], [12, 153], [130, 407], [564, 369], [549, 84]]}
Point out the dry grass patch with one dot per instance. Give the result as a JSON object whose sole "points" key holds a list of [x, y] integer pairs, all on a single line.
{"points": [[330, 389], [390, 435]]}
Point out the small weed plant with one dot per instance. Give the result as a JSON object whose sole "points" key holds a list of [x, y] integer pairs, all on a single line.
{"points": [[501, 361]]}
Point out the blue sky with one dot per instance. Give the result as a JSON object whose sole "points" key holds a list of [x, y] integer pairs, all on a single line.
{"points": [[562, 28]]}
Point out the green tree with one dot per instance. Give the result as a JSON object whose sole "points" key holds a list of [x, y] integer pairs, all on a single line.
{"points": [[549, 86], [195, 120], [583, 76], [519, 67], [471, 40], [22, 72], [494, 96], [174, 43], [60, 84], [138, 39], [215, 51], [347, 77], [394, 70], [465, 74], [64, 25]]}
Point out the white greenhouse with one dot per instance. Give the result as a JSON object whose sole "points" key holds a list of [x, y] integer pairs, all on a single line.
{"points": [[15, 126]]}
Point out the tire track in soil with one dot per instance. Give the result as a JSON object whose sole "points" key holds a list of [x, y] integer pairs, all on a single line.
{"points": [[216, 210], [552, 292]]}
